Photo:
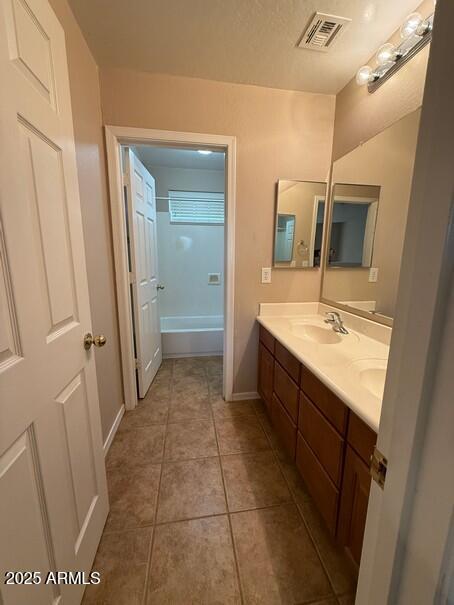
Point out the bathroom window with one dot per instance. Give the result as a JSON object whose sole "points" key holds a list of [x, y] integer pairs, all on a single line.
{"points": [[200, 207]]}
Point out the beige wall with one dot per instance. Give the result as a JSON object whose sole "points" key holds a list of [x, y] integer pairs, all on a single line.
{"points": [[86, 109], [360, 115], [280, 134]]}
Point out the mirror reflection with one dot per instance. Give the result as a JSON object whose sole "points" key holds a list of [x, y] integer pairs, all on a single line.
{"points": [[300, 212], [369, 208], [353, 222]]}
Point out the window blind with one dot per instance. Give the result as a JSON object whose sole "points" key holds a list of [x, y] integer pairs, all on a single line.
{"points": [[200, 207]]}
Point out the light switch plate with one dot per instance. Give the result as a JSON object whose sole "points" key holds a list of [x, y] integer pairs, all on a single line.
{"points": [[266, 275], [373, 274]]}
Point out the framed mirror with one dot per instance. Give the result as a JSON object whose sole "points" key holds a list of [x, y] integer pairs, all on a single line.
{"points": [[368, 216], [300, 215]]}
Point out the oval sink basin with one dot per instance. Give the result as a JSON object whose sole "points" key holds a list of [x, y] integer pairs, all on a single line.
{"points": [[314, 333], [372, 375]]}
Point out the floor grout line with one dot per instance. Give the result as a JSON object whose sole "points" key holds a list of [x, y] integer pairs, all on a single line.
{"points": [[235, 556], [306, 525], [197, 517], [215, 419], [153, 535]]}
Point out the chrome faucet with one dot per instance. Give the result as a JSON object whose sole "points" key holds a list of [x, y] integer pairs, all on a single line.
{"points": [[334, 319]]}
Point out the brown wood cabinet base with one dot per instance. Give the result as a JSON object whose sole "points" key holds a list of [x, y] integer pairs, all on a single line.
{"points": [[355, 498], [329, 443], [321, 488]]}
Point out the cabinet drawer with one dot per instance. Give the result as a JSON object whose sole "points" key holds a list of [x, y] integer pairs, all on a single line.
{"points": [[286, 390], [361, 437], [265, 378], [267, 339], [284, 426], [287, 361], [320, 486], [324, 440], [326, 401]]}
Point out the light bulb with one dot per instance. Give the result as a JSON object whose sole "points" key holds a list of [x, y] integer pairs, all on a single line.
{"points": [[411, 25], [386, 54], [364, 75]]}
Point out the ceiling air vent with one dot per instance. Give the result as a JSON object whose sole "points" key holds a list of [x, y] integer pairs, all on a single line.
{"points": [[322, 32]]}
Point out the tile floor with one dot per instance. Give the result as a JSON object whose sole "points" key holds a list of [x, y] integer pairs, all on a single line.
{"points": [[206, 509]]}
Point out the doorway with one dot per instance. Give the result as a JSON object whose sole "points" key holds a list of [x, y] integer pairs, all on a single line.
{"points": [[190, 302]]}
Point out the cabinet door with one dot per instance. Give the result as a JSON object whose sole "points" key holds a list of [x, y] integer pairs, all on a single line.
{"points": [[266, 368], [354, 500], [284, 427]]}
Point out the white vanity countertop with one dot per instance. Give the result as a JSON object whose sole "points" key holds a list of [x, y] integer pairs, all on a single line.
{"points": [[353, 365]]}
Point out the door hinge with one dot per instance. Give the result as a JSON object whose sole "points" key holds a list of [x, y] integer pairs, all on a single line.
{"points": [[378, 467], [132, 278], [137, 364], [126, 180]]}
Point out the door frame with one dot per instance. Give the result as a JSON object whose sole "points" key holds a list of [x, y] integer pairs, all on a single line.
{"points": [[416, 356], [117, 136]]}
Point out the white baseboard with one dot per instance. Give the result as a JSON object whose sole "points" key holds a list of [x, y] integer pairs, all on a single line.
{"points": [[113, 429], [245, 396], [180, 355]]}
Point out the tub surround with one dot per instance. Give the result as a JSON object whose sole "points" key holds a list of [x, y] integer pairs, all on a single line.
{"points": [[192, 336], [352, 366]]}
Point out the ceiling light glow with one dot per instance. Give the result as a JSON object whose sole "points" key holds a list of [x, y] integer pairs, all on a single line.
{"points": [[386, 54], [411, 26], [364, 75]]}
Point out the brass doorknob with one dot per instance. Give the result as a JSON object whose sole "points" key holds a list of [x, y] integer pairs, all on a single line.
{"points": [[89, 340]]}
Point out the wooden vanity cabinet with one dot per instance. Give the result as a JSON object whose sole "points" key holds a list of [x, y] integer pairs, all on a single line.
{"points": [[323, 491], [327, 402], [355, 486], [323, 439], [353, 507], [265, 379], [329, 443], [287, 391], [266, 367], [284, 426], [322, 427]]}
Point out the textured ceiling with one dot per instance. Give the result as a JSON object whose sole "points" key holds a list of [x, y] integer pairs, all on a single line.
{"points": [[179, 158], [243, 41]]}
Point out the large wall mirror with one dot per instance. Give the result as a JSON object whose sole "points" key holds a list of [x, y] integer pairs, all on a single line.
{"points": [[368, 216], [300, 213]]}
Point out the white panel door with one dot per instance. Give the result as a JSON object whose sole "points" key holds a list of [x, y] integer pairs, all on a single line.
{"points": [[141, 208], [53, 496]]}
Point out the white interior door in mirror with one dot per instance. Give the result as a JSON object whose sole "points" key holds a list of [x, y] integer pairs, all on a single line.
{"points": [[141, 208], [53, 502]]}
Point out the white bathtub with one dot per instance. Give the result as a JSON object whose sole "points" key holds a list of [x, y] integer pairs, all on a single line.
{"points": [[192, 336]]}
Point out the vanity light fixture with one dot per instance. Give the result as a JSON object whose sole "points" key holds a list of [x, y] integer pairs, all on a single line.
{"points": [[415, 32], [387, 53]]}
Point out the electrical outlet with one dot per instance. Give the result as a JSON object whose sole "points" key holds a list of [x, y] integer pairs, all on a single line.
{"points": [[373, 274], [266, 275]]}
